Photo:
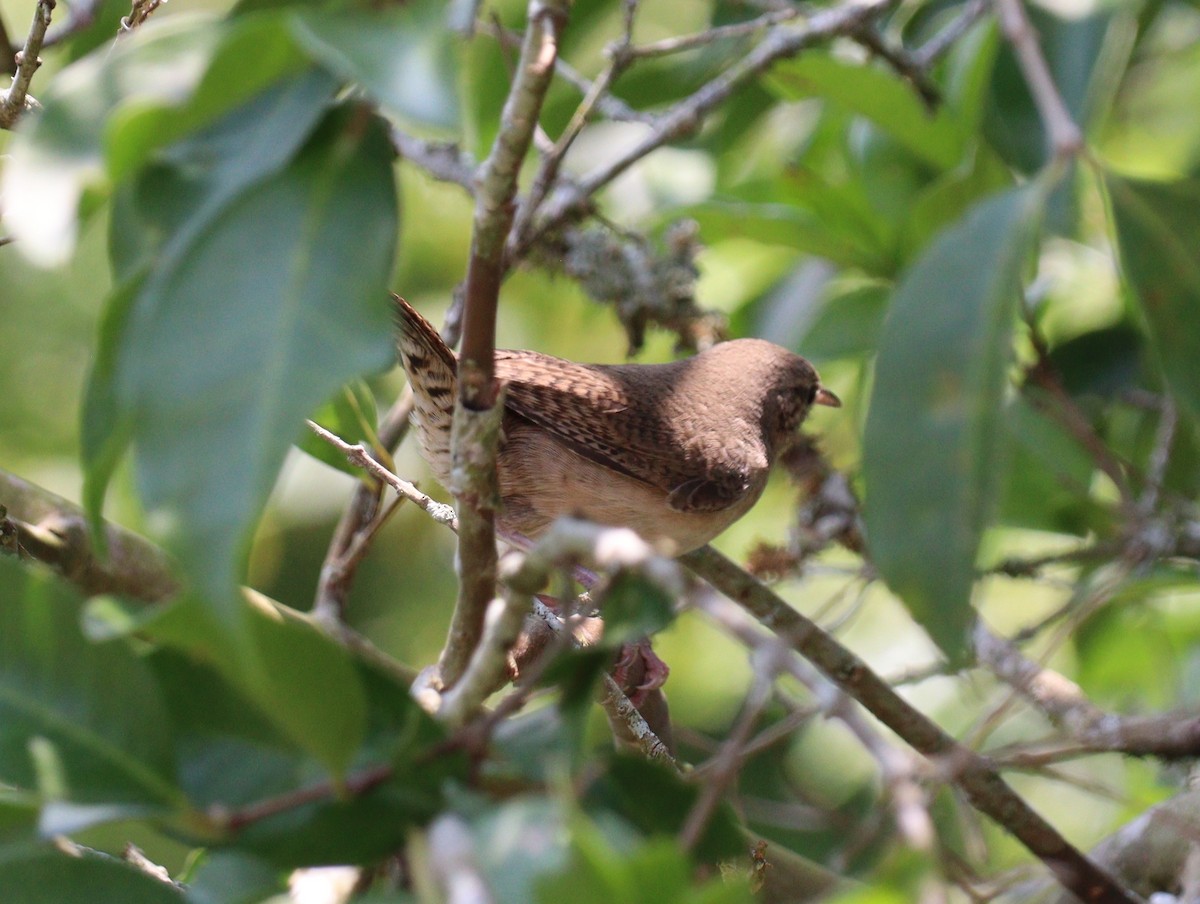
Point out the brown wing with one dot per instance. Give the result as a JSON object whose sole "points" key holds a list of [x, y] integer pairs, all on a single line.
{"points": [[590, 410]]}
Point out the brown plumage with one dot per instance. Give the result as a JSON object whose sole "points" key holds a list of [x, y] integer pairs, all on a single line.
{"points": [[676, 451]]}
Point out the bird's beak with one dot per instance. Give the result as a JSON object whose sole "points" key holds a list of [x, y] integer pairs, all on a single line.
{"points": [[825, 397]]}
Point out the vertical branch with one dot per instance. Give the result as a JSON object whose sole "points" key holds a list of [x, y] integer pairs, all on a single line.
{"points": [[17, 100], [476, 426], [1062, 133]]}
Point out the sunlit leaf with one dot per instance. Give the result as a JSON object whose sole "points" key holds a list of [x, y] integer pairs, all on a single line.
{"points": [[878, 95]]}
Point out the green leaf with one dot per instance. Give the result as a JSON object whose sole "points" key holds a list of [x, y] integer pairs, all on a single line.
{"points": [[890, 103], [303, 692], [48, 876], [403, 56], [1159, 233], [306, 315], [846, 325], [229, 877], [18, 817], [775, 224], [657, 801], [634, 607], [82, 723], [350, 414], [932, 440], [106, 113], [1048, 475], [155, 218]]}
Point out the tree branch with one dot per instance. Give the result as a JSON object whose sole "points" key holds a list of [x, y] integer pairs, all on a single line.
{"points": [[17, 100], [1174, 735], [55, 532], [970, 771], [1062, 134], [687, 116], [478, 411]]}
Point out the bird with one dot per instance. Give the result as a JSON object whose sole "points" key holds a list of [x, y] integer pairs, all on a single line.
{"points": [[676, 452]]}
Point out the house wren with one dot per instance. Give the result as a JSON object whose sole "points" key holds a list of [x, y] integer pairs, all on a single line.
{"points": [[676, 451]]}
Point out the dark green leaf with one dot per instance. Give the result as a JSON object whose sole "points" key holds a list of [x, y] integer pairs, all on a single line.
{"points": [[403, 56], [1159, 233], [1073, 48], [307, 314], [847, 324], [932, 442], [82, 723], [304, 688], [655, 800], [1049, 475], [228, 877]]}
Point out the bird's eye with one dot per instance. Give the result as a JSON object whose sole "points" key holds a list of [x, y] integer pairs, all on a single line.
{"points": [[811, 393]]}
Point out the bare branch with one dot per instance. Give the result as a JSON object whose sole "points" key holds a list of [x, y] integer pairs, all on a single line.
{"points": [[687, 116], [1062, 133], [55, 532], [141, 11], [1174, 735], [361, 458], [17, 100], [967, 769], [443, 160]]}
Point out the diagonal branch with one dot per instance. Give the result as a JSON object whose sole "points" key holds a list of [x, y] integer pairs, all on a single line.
{"points": [[973, 773], [687, 116]]}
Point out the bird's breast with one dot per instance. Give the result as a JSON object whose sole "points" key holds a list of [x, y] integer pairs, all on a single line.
{"points": [[541, 479]]}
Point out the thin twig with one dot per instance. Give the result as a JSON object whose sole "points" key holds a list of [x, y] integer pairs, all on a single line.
{"points": [[687, 116], [1058, 404], [1062, 134], [141, 11], [444, 160], [17, 100], [903, 62], [548, 170], [966, 768], [358, 456], [681, 43], [731, 757], [1174, 735], [1160, 457]]}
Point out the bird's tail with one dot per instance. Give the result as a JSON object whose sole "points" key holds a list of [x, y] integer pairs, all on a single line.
{"points": [[432, 373]]}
